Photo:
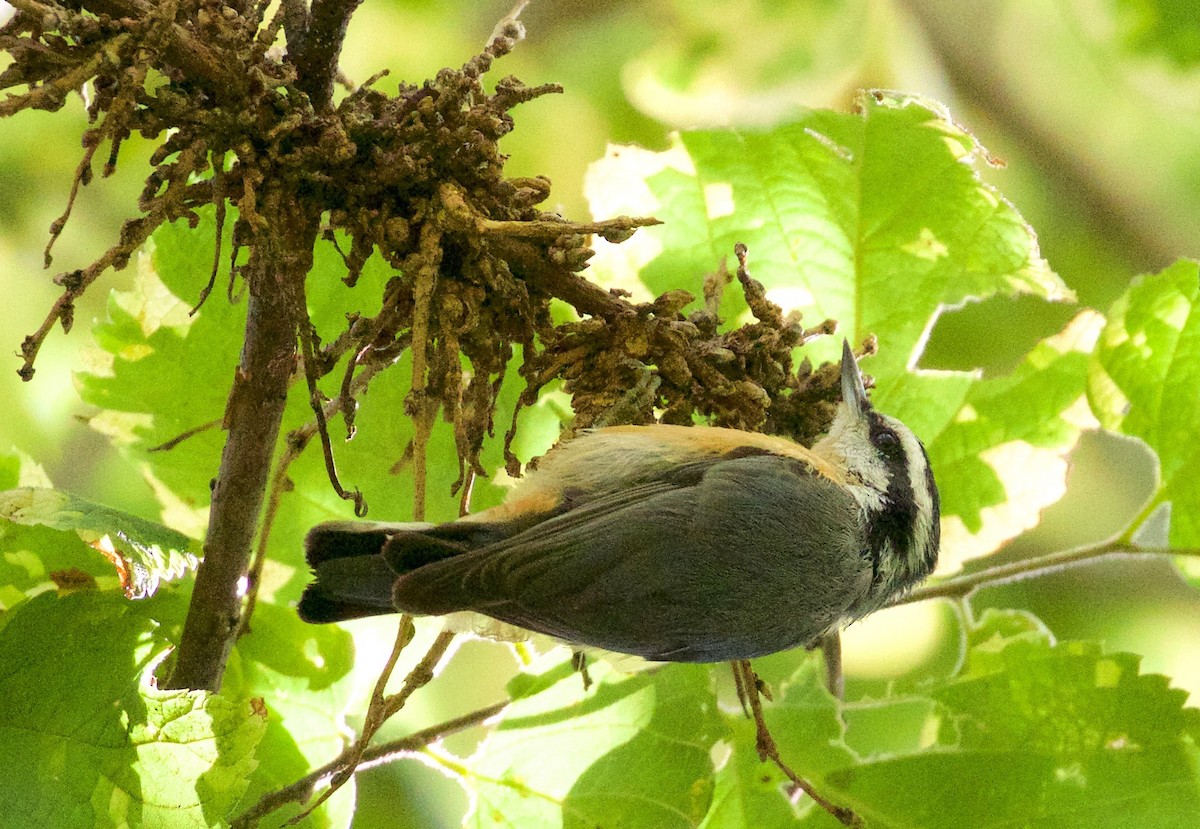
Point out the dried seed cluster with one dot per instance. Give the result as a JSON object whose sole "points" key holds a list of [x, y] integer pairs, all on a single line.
{"points": [[658, 364], [418, 177]]}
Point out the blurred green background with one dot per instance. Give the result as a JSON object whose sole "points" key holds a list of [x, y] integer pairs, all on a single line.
{"points": [[1092, 107]]}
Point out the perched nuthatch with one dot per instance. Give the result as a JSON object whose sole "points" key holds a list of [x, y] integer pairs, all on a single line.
{"points": [[666, 542]]}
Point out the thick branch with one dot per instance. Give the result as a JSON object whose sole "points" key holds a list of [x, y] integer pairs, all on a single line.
{"points": [[280, 258], [316, 59]]}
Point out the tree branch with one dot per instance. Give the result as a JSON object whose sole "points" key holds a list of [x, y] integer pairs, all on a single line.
{"points": [[280, 258], [196, 58], [587, 297], [316, 56]]}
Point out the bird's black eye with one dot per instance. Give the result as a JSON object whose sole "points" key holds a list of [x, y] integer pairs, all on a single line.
{"points": [[887, 442], [884, 438]]}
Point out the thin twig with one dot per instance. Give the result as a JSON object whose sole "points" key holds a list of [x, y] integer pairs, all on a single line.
{"points": [[768, 750], [218, 185], [83, 172], [464, 501], [962, 586], [302, 789], [297, 441], [134, 232], [617, 228], [48, 94], [182, 436], [312, 370], [419, 408], [383, 707], [349, 759]]}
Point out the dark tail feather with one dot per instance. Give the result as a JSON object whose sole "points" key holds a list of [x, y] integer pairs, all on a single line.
{"points": [[355, 564], [349, 539], [348, 588]]}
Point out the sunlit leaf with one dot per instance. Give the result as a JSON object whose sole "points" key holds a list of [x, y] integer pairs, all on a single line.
{"points": [[1044, 735], [143, 552], [1002, 459], [1145, 382], [632, 751], [86, 741]]}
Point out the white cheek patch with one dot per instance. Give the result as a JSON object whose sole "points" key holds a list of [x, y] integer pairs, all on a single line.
{"points": [[918, 480], [847, 447]]}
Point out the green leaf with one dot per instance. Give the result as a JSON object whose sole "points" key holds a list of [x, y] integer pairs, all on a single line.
{"points": [[143, 552], [85, 741], [303, 673], [1044, 735], [1163, 27], [876, 220], [880, 221], [35, 558], [1002, 458], [1145, 382], [634, 751], [159, 374]]}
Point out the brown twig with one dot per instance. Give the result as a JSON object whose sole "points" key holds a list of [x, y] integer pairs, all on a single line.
{"points": [[316, 54], [312, 371], [195, 57], [182, 436], [218, 187], [133, 234], [748, 683], [383, 707], [417, 405], [349, 759], [556, 280], [302, 789]]}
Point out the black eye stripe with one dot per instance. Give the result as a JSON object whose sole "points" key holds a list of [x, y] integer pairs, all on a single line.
{"points": [[892, 527], [884, 438]]}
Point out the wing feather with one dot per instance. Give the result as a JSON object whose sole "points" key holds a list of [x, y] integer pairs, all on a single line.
{"points": [[726, 560]]}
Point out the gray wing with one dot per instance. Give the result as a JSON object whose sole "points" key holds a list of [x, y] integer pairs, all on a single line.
{"points": [[745, 557]]}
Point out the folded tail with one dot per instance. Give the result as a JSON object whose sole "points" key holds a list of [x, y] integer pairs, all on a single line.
{"points": [[356, 563]]}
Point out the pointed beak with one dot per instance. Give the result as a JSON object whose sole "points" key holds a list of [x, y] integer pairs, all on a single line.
{"points": [[853, 393]]}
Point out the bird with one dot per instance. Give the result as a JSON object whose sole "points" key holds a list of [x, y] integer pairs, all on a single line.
{"points": [[667, 542]]}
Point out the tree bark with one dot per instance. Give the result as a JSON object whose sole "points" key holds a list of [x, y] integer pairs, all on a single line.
{"points": [[280, 258]]}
